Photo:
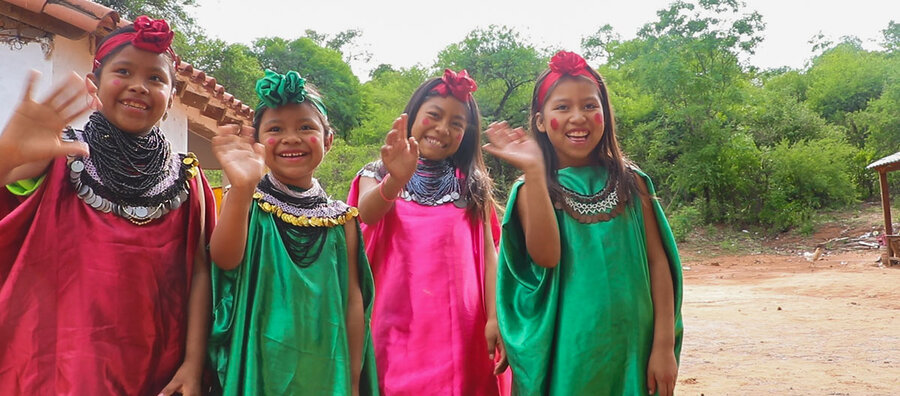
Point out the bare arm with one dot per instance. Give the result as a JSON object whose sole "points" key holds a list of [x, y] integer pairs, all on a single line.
{"points": [[533, 203], [399, 156], [492, 329], [662, 369], [244, 165], [356, 323]]}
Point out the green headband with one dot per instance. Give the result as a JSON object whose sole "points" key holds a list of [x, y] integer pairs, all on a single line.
{"points": [[276, 90]]}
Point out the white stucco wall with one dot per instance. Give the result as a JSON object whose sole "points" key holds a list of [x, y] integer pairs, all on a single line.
{"points": [[67, 56]]}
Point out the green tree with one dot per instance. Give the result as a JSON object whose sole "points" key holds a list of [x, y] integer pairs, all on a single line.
{"points": [[844, 79], [387, 94], [505, 66], [323, 67]]}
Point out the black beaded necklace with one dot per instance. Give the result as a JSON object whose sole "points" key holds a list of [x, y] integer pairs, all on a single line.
{"points": [[304, 244], [129, 166], [434, 183]]}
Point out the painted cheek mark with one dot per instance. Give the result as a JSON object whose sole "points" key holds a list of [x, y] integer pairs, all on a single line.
{"points": [[461, 136], [313, 140], [554, 124], [270, 141], [598, 118], [116, 83], [425, 122]]}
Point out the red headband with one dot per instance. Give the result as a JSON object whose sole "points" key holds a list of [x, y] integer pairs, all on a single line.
{"points": [[149, 35], [460, 85], [563, 64]]}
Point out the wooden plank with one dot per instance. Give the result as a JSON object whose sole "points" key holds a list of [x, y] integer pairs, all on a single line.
{"points": [[886, 206]]}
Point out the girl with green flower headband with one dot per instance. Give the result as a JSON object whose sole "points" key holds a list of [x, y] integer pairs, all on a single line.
{"points": [[292, 289]]}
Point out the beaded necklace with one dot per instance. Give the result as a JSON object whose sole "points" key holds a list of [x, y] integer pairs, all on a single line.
{"points": [[138, 178], [600, 206], [304, 216], [434, 183]]}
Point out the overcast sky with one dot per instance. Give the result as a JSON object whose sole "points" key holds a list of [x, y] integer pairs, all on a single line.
{"points": [[406, 32]]}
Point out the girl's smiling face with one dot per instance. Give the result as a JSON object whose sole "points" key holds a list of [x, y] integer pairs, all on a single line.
{"points": [[135, 88], [573, 120], [296, 141], [439, 127]]}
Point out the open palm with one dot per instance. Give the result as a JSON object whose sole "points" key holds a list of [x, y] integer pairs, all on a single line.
{"points": [[399, 153], [34, 132], [513, 146], [243, 159]]}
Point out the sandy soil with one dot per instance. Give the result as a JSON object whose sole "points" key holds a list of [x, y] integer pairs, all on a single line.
{"points": [[774, 323]]}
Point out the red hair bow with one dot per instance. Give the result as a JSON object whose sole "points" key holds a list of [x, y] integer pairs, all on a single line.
{"points": [[564, 63], [151, 35], [460, 85]]}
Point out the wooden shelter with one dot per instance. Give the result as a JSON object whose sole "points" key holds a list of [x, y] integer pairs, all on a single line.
{"points": [[891, 240]]}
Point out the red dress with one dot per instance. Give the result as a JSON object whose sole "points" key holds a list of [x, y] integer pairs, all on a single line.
{"points": [[91, 304]]}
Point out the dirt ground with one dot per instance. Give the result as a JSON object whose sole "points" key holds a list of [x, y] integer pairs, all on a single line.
{"points": [[768, 321]]}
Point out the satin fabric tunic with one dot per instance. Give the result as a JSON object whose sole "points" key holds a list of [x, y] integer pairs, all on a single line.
{"points": [[584, 327], [90, 303], [429, 316], [280, 329]]}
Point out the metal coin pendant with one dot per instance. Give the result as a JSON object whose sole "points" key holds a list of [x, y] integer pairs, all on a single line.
{"points": [[461, 203], [77, 166], [140, 212]]}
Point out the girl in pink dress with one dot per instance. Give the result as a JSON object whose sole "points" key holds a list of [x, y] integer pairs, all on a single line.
{"points": [[430, 234]]}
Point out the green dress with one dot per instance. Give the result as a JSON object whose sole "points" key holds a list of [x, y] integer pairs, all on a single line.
{"points": [[279, 328], [586, 326]]}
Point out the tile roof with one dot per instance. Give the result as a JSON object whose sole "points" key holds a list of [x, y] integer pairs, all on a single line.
{"points": [[76, 19]]}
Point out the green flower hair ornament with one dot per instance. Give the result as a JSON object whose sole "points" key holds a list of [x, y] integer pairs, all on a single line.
{"points": [[276, 90]]}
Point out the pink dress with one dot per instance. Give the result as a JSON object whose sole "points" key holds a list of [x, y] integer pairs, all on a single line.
{"points": [[428, 318]]}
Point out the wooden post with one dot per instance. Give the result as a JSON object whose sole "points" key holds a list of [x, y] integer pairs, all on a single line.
{"points": [[886, 206]]}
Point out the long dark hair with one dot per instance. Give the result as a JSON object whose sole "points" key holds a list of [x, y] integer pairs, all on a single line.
{"points": [[467, 158], [607, 153]]}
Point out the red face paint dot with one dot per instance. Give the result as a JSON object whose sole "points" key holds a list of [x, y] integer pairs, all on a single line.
{"points": [[598, 118], [116, 82], [554, 124], [461, 136], [313, 140], [270, 141], [426, 121]]}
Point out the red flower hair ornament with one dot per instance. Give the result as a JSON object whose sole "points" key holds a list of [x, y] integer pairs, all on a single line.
{"points": [[151, 35], [460, 85], [564, 63]]}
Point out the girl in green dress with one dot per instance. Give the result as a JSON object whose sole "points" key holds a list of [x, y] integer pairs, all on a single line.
{"points": [[589, 279], [292, 290]]}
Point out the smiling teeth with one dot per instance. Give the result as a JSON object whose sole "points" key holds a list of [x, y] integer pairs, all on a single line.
{"points": [[292, 155], [577, 134], [434, 141], [134, 105]]}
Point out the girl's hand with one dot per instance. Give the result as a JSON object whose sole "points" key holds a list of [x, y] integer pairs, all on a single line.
{"points": [[34, 132], [400, 154], [514, 146], [186, 382], [496, 349], [662, 371], [243, 159]]}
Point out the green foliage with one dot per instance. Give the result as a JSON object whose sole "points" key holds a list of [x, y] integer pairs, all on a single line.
{"points": [[805, 177], [505, 66], [844, 79], [323, 67], [387, 94], [684, 221], [341, 164]]}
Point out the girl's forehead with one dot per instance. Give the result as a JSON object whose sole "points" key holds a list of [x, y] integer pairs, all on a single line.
{"points": [[448, 104], [293, 112], [577, 87]]}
